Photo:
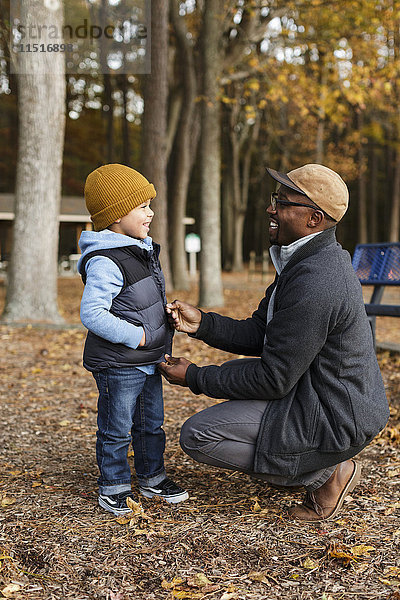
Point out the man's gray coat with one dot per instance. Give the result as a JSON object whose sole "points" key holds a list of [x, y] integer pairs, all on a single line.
{"points": [[318, 366]]}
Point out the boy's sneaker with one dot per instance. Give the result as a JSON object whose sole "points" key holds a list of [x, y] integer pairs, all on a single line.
{"points": [[166, 489], [116, 503]]}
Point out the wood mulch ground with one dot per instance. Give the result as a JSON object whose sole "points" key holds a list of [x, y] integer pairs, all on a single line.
{"points": [[229, 541]]}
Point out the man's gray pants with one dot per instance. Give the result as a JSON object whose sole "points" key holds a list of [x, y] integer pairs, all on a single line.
{"points": [[225, 435]]}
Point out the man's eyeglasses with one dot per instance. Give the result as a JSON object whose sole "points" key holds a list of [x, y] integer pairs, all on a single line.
{"points": [[276, 200]]}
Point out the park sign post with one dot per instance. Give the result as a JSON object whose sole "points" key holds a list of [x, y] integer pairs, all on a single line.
{"points": [[192, 247]]}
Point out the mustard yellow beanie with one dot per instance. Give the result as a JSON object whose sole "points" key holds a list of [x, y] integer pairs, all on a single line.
{"points": [[112, 191]]}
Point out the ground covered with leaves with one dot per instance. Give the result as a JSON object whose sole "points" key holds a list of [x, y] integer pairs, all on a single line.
{"points": [[229, 541]]}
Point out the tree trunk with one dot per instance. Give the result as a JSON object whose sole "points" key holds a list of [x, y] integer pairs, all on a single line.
{"points": [[32, 289], [175, 106], [241, 208], [211, 292], [362, 185], [154, 127], [395, 210], [126, 147], [238, 241], [108, 115], [108, 101], [227, 215], [374, 194], [183, 159], [261, 224], [238, 216], [319, 142]]}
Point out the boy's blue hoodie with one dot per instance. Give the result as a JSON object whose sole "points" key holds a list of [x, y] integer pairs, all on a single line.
{"points": [[104, 282]]}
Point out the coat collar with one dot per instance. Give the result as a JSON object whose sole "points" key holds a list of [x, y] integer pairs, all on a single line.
{"points": [[315, 245]]}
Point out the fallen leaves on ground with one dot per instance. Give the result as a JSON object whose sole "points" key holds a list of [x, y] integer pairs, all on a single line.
{"points": [[347, 554], [195, 586], [229, 541]]}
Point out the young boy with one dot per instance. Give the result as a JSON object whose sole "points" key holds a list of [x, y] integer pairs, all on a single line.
{"points": [[128, 334]]}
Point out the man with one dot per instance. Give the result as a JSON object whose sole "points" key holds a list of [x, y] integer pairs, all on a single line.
{"points": [[313, 398]]}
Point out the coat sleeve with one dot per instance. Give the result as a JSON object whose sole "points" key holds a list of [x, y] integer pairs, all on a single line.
{"points": [[294, 337], [232, 335]]}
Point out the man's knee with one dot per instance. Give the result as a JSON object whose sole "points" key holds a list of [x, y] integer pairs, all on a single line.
{"points": [[187, 438]]}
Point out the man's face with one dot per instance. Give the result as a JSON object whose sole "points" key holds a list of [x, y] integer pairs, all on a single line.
{"points": [[289, 223]]}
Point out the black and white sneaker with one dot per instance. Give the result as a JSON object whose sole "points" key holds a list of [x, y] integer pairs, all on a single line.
{"points": [[116, 503], [166, 489]]}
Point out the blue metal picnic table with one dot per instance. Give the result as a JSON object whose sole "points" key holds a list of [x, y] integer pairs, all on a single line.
{"points": [[378, 265]]}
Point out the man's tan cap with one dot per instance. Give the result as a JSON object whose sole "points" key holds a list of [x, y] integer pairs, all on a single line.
{"points": [[320, 184]]}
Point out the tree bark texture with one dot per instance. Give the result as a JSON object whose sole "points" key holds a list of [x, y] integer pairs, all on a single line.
{"points": [[241, 167], [319, 141], [154, 128], [126, 147], [374, 194], [211, 292], [227, 214], [183, 154], [394, 230], [108, 101], [362, 186], [32, 288]]}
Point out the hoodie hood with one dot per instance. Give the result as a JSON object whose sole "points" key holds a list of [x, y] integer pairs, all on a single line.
{"points": [[102, 240]]}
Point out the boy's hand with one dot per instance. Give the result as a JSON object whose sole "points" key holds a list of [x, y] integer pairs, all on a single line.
{"points": [[184, 317], [143, 340], [174, 370]]}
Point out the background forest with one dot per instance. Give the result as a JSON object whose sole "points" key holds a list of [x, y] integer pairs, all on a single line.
{"points": [[237, 85]]}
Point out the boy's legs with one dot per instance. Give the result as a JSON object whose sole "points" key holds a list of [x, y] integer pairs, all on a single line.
{"points": [[148, 440], [148, 437], [118, 393]]}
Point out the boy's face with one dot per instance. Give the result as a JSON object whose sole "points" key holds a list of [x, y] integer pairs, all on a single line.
{"points": [[136, 223]]}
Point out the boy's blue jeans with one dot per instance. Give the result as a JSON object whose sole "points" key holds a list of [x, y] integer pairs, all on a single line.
{"points": [[130, 408]]}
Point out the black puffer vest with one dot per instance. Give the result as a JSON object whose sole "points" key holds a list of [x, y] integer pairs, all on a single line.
{"points": [[141, 301]]}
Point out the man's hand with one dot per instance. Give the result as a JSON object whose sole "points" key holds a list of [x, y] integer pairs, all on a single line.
{"points": [[184, 317], [174, 370]]}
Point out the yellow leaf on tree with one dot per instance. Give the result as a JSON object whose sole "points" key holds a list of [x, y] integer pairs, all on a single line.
{"points": [[253, 84]]}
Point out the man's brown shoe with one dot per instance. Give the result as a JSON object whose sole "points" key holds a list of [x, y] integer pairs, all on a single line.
{"points": [[325, 502]]}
